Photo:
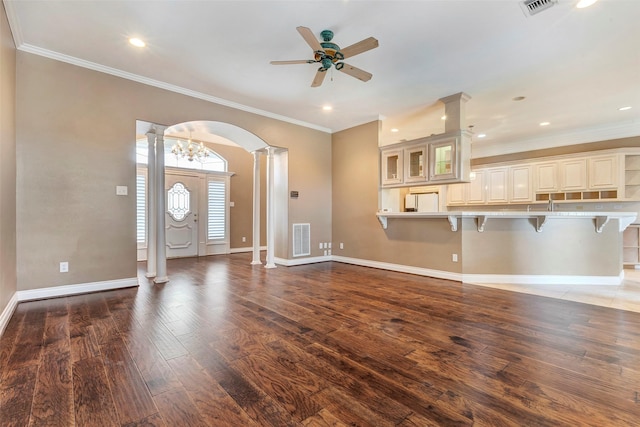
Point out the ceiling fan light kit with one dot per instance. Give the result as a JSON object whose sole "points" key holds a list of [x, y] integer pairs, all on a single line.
{"points": [[328, 54]]}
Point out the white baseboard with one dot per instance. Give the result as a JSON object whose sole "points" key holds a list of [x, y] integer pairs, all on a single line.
{"points": [[542, 279], [8, 312], [82, 288], [440, 274], [247, 249], [302, 261], [515, 279]]}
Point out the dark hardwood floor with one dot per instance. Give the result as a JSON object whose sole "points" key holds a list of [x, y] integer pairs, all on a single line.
{"points": [[225, 343]]}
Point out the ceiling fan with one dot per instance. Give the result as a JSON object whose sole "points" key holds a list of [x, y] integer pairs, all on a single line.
{"points": [[327, 54]]}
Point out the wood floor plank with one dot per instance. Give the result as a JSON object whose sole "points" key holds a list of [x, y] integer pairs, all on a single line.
{"points": [[213, 403], [131, 397], [16, 396], [83, 339], [154, 369], [53, 398], [178, 410], [93, 402]]}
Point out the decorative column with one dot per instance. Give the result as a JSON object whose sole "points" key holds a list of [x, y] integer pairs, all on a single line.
{"points": [[270, 209], [151, 204], [161, 267], [256, 209], [454, 110]]}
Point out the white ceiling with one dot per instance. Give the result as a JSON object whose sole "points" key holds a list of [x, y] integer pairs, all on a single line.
{"points": [[575, 67]]}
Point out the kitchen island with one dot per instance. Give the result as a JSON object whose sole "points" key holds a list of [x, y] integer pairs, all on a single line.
{"points": [[533, 247]]}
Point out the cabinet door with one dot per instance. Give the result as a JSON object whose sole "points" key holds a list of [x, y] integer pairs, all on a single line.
{"points": [[443, 160], [497, 185], [415, 164], [455, 194], [546, 177], [520, 190], [603, 172], [476, 188], [392, 167], [574, 174]]}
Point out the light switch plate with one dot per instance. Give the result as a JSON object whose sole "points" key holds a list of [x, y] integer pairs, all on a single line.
{"points": [[122, 190]]}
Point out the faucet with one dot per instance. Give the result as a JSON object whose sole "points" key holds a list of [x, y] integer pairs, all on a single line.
{"points": [[550, 207]]}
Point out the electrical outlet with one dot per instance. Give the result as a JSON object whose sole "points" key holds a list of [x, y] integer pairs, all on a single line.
{"points": [[329, 252], [329, 246], [320, 245], [64, 267], [325, 253], [244, 239], [341, 245], [454, 257]]}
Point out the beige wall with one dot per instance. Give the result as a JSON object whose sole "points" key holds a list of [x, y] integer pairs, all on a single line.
{"points": [[7, 163], [418, 243], [563, 247], [76, 142]]}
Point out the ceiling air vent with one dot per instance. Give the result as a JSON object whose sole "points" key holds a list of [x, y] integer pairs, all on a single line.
{"points": [[531, 7]]}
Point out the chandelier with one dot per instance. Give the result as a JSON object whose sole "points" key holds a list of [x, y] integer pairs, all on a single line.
{"points": [[193, 150]]}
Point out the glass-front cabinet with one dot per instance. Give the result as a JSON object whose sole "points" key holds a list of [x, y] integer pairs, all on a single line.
{"points": [[443, 164], [392, 167], [415, 164], [440, 159]]}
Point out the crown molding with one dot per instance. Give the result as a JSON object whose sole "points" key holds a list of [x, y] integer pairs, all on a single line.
{"points": [[14, 25], [25, 47]]}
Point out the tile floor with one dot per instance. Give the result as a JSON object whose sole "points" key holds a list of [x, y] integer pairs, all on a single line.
{"points": [[624, 297]]}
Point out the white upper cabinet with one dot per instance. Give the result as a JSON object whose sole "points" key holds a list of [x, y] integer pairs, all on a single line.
{"points": [[456, 194], [573, 174], [520, 190], [497, 185], [392, 167], [476, 188], [604, 172], [546, 177], [415, 163], [437, 159]]}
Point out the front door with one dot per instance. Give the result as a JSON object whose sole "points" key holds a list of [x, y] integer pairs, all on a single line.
{"points": [[181, 215]]}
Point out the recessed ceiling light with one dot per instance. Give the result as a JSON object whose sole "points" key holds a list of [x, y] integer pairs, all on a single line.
{"points": [[628, 107], [585, 3], [327, 108], [394, 130], [482, 135], [519, 98], [137, 42], [545, 123]]}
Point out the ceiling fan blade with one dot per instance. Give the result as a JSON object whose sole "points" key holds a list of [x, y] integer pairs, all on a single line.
{"points": [[361, 46], [319, 78], [297, 61], [356, 72], [311, 40]]}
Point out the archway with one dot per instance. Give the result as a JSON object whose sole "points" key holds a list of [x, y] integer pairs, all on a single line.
{"points": [[209, 132]]}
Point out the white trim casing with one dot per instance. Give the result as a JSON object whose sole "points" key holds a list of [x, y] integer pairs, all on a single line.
{"points": [[6, 314], [82, 288], [302, 261], [246, 249], [439, 274], [543, 279]]}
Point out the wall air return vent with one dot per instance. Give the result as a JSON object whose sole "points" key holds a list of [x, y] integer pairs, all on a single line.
{"points": [[531, 7], [301, 239]]}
